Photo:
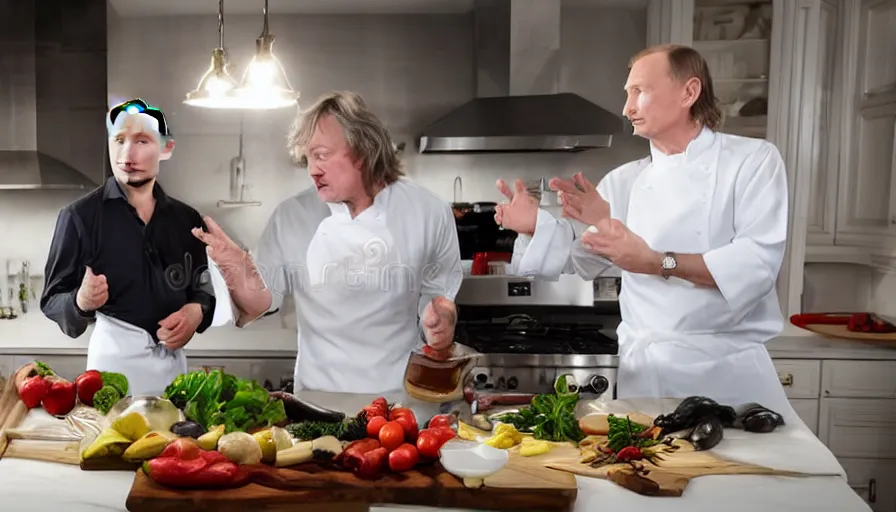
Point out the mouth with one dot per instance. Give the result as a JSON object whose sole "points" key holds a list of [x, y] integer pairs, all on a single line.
{"points": [[636, 122]]}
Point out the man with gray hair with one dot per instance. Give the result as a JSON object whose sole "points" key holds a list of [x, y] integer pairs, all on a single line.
{"points": [[363, 253]]}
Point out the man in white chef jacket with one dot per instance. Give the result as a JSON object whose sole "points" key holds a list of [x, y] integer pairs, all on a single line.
{"points": [[363, 252], [698, 230]]}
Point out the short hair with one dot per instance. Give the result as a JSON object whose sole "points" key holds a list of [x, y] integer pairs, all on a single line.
{"points": [[138, 106], [686, 63], [366, 135]]}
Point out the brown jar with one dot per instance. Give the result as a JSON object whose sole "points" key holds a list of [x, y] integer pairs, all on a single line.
{"points": [[438, 380]]}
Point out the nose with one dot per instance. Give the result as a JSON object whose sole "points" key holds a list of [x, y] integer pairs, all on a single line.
{"points": [[628, 110], [125, 154]]}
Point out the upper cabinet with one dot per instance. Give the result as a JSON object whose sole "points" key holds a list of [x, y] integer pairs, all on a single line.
{"points": [[866, 216]]}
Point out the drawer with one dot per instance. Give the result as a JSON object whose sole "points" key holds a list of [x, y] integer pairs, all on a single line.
{"points": [[858, 427], [872, 479], [863, 379], [807, 410], [799, 377]]}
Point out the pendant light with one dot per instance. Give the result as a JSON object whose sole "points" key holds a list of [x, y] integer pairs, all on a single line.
{"points": [[264, 84], [215, 89]]}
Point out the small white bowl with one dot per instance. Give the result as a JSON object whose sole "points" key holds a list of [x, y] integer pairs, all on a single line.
{"points": [[469, 459]]}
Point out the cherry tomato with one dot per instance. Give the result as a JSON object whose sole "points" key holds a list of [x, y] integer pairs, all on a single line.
{"points": [[407, 420], [391, 435], [374, 425], [440, 420], [403, 458], [428, 443]]}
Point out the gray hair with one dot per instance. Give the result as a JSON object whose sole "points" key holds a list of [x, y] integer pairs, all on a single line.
{"points": [[366, 135]]}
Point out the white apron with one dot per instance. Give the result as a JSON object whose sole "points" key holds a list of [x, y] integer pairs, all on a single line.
{"points": [[669, 209], [118, 346]]}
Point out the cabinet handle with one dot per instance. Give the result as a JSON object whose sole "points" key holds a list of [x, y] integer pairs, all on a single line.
{"points": [[871, 487], [786, 380]]}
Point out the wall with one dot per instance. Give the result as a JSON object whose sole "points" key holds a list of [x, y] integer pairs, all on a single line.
{"points": [[411, 69]]}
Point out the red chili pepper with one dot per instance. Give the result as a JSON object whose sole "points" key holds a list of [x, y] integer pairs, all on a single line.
{"points": [[629, 453], [206, 471]]}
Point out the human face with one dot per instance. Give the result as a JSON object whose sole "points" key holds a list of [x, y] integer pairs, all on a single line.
{"points": [[655, 101], [331, 164], [135, 149]]}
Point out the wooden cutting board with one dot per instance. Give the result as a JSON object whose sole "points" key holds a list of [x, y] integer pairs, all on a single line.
{"points": [[670, 476], [524, 484]]}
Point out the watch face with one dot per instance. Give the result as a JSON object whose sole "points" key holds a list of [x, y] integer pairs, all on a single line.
{"points": [[668, 262]]}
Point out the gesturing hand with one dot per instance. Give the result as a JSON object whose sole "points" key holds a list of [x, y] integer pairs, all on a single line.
{"points": [[178, 328], [613, 240], [438, 322], [226, 253], [580, 200], [521, 213], [93, 293]]}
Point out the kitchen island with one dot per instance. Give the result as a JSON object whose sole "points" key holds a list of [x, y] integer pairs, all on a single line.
{"points": [[32, 486]]}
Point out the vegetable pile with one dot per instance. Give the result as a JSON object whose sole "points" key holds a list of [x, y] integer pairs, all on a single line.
{"points": [[549, 417], [38, 385], [216, 398]]}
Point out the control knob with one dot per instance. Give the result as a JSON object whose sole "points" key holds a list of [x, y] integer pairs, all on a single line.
{"points": [[512, 383], [598, 384]]}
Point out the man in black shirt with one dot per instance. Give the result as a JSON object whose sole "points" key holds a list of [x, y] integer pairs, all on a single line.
{"points": [[124, 257]]}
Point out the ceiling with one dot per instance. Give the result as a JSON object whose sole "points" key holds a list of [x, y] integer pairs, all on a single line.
{"points": [[139, 8]]}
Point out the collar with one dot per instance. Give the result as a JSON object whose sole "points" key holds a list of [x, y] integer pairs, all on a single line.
{"points": [[377, 207], [113, 190], [699, 145]]}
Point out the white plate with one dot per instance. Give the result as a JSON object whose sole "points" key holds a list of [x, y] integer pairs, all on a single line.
{"points": [[468, 459]]}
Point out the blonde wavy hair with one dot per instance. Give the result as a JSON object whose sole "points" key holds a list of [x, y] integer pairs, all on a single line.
{"points": [[367, 137], [686, 63]]}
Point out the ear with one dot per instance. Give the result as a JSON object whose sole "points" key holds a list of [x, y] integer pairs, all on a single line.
{"points": [[167, 150], [692, 89]]}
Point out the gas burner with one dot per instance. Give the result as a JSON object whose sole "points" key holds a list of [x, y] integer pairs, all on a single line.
{"points": [[522, 334]]}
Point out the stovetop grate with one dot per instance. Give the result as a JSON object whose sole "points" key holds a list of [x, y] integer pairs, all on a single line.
{"points": [[523, 334]]}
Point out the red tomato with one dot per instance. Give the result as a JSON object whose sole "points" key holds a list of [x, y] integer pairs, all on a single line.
{"points": [[403, 458], [440, 420], [445, 434], [391, 435], [407, 420], [374, 425], [428, 443]]}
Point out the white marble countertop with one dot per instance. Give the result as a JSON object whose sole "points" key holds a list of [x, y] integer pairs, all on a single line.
{"points": [[34, 334], [792, 447]]}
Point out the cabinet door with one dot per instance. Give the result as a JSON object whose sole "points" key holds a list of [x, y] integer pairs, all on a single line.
{"points": [[867, 210], [825, 136]]}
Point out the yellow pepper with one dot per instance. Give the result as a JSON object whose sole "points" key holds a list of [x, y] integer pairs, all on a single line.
{"points": [[502, 441], [532, 447]]}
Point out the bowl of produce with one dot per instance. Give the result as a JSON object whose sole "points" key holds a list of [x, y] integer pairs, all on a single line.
{"points": [[161, 413], [471, 460]]}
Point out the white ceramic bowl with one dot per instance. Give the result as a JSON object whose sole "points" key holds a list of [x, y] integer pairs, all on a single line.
{"points": [[468, 459]]}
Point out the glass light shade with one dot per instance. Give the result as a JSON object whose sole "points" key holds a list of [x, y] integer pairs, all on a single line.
{"points": [[215, 89], [264, 84]]}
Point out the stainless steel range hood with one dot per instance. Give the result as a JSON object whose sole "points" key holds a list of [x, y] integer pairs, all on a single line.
{"points": [[518, 106], [52, 94]]}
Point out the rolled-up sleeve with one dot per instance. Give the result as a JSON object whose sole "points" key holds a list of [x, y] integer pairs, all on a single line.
{"points": [[555, 248], [746, 269]]}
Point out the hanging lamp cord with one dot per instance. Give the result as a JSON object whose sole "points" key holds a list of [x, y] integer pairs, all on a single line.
{"points": [[221, 24]]}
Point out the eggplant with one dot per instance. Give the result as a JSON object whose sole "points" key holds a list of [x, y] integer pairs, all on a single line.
{"points": [[707, 434], [753, 417], [299, 410], [692, 411], [188, 429]]}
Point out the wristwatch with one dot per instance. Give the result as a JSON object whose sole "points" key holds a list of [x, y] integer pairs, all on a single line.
{"points": [[669, 264]]}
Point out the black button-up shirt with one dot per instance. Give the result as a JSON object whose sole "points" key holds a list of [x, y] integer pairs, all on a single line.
{"points": [[152, 269]]}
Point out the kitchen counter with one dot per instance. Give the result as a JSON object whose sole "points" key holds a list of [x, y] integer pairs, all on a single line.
{"points": [[792, 447], [267, 338]]}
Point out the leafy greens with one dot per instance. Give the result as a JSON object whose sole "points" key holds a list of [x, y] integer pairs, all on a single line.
{"points": [[549, 417], [216, 398]]}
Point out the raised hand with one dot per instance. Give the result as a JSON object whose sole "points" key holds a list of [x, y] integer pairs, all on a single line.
{"points": [[93, 293], [226, 253], [521, 212], [614, 241], [580, 200], [438, 321]]}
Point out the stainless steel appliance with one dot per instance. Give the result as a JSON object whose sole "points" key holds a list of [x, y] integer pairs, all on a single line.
{"points": [[530, 332]]}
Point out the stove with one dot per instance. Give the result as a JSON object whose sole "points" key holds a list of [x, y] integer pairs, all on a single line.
{"points": [[525, 346]]}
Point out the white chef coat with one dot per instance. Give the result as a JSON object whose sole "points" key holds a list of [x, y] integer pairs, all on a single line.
{"points": [[359, 284], [724, 197]]}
